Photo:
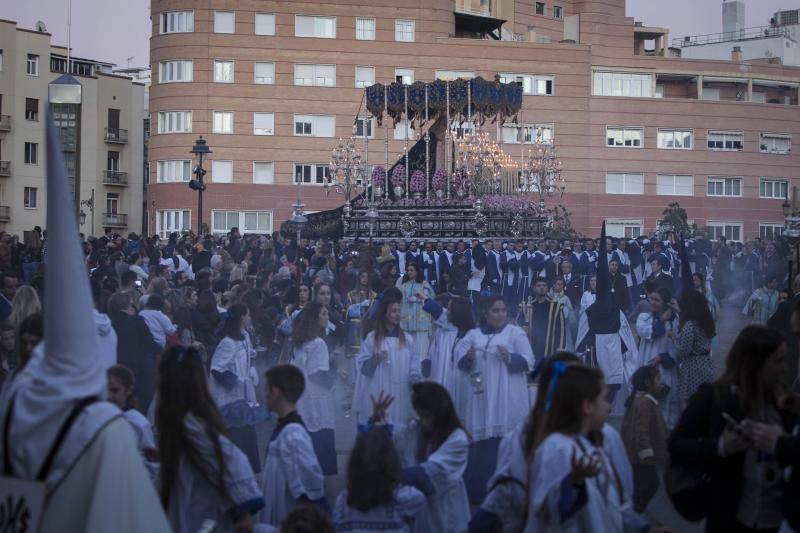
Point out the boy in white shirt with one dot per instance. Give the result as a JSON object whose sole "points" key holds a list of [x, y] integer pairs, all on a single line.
{"points": [[157, 322]]}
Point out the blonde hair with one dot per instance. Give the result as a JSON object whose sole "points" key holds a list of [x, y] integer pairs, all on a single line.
{"points": [[25, 303]]}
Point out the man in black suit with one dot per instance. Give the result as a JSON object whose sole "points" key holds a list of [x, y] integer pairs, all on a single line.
{"points": [[658, 277], [781, 320], [619, 287], [573, 285], [8, 287]]}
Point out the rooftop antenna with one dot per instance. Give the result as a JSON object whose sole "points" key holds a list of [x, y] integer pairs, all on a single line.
{"points": [[69, 36], [129, 61]]}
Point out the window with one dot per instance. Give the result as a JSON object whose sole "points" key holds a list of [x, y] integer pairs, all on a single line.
{"points": [[623, 84], [404, 31], [221, 171], [313, 26], [770, 231], [311, 173], [223, 122], [112, 160], [759, 98], [263, 123], [773, 188], [177, 22], [263, 172], [675, 139], [29, 198], [558, 12], [775, 143], [31, 154], [404, 75], [539, 8], [265, 24], [315, 125], [223, 71], [710, 94], [402, 130], [674, 185], [112, 204], [365, 29], [264, 73], [541, 133], [175, 122], [1, 60], [365, 127], [365, 76], [451, 75], [317, 75], [622, 137], [174, 170], [621, 228], [175, 71], [727, 141], [618, 183], [732, 231], [724, 186], [32, 109], [173, 222], [33, 65], [246, 221], [532, 84], [224, 22]]}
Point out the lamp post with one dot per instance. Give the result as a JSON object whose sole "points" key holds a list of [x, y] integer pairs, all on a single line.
{"points": [[90, 204], [201, 149], [298, 219]]}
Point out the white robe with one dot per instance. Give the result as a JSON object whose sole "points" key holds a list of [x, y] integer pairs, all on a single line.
{"points": [[616, 366], [316, 405], [193, 499], [234, 356], [394, 518], [650, 348], [143, 431], [394, 377], [442, 353], [504, 401], [291, 470], [587, 299]]}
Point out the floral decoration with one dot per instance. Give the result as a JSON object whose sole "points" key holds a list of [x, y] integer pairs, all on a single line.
{"points": [[399, 176], [439, 180], [417, 181]]}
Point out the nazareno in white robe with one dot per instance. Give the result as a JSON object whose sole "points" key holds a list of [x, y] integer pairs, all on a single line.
{"points": [[393, 377], [650, 348], [504, 402]]}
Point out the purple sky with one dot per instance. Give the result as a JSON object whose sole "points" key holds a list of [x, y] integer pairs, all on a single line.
{"points": [[114, 30]]}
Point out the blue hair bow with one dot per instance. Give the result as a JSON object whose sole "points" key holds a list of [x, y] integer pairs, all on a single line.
{"points": [[559, 369]]}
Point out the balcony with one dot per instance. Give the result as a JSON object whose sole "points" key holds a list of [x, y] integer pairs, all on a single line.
{"points": [[115, 178], [116, 136], [477, 19], [5, 169], [5, 213], [5, 122], [112, 220]]}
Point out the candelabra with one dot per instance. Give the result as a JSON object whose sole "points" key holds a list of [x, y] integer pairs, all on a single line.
{"points": [[347, 172], [541, 172], [481, 161]]}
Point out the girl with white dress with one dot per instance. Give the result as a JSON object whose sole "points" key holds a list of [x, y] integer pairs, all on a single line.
{"points": [[388, 361], [451, 325], [656, 348], [589, 296], [495, 358], [413, 319], [204, 478], [316, 405], [233, 382]]}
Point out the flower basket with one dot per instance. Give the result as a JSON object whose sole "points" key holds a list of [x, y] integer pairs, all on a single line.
{"points": [[399, 176], [439, 180], [418, 182]]}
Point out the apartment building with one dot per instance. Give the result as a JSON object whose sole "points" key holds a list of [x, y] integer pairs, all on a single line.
{"points": [[272, 85], [99, 117]]}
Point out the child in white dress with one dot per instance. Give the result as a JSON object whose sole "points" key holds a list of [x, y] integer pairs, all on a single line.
{"points": [[121, 383]]}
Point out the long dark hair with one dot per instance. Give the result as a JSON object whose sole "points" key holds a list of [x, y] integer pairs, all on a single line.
{"points": [[125, 376], [182, 390], [420, 274], [750, 351], [639, 381], [694, 306], [484, 304], [373, 471], [307, 327], [432, 401], [460, 314], [231, 324], [380, 329]]}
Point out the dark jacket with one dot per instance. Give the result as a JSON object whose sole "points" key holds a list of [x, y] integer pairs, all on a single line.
{"points": [[137, 350], [204, 325], [694, 444]]}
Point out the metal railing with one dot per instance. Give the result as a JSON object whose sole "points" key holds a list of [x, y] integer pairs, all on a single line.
{"points": [[5, 212], [115, 177], [115, 220], [5, 122], [116, 135], [5, 168], [756, 32]]}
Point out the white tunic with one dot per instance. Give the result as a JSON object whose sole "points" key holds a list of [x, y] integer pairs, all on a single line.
{"points": [[234, 356], [316, 405], [394, 518], [291, 470], [442, 353], [504, 401], [587, 299], [145, 439], [616, 366], [650, 348], [394, 377]]}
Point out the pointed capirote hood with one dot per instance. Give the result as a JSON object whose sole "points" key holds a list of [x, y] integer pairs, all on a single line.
{"points": [[686, 270], [66, 367], [603, 314]]}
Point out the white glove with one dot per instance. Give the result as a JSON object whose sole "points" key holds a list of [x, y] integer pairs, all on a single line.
{"points": [[592, 259]]}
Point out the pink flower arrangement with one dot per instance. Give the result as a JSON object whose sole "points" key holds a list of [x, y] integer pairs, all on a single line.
{"points": [[506, 202], [399, 176], [378, 175], [417, 181], [439, 180]]}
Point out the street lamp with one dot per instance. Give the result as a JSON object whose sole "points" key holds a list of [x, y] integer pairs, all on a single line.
{"points": [[298, 219], [200, 148], [90, 204]]}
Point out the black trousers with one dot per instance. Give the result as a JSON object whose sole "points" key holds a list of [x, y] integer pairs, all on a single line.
{"points": [[645, 485]]}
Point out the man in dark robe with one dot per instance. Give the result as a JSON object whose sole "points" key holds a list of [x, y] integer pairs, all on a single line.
{"points": [[544, 319]]}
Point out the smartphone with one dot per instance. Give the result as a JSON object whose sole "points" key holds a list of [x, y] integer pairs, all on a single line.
{"points": [[139, 283]]}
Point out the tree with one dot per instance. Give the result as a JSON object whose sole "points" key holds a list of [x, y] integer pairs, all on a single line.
{"points": [[674, 218], [559, 225]]}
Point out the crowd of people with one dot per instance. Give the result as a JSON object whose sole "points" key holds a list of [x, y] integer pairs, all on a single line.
{"points": [[480, 375]]}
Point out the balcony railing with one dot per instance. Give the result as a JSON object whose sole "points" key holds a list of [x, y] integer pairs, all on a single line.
{"points": [[115, 220], [116, 136], [115, 177], [759, 32], [5, 122], [5, 168], [5, 213]]}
